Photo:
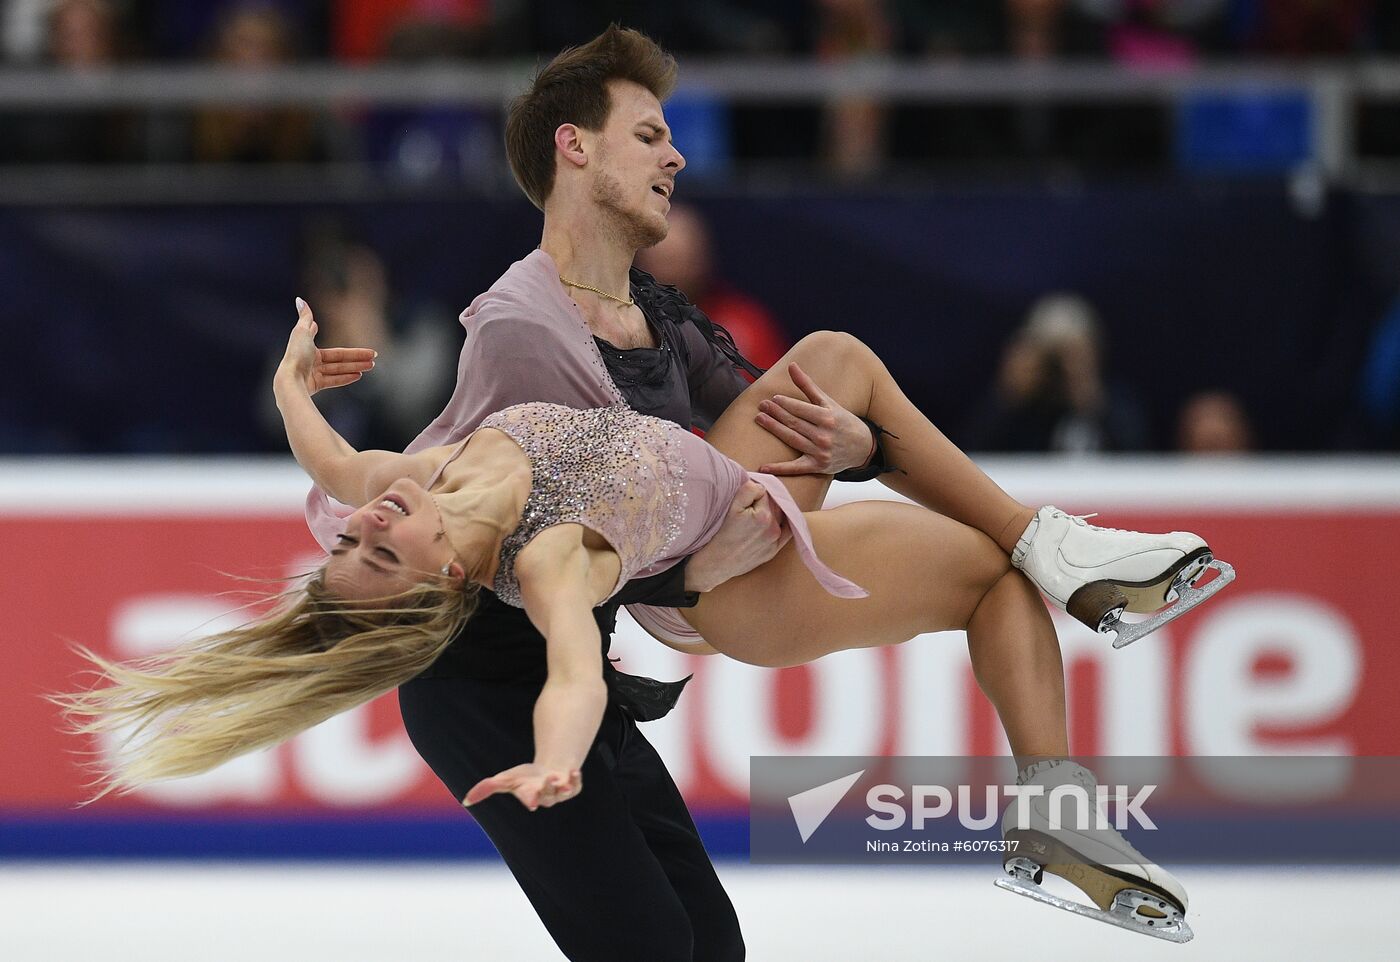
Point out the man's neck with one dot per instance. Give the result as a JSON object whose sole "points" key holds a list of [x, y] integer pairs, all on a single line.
{"points": [[586, 251]]}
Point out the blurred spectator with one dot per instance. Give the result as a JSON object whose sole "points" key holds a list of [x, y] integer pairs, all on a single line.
{"points": [[411, 30], [685, 259], [1303, 28], [256, 37], [181, 30], [81, 36], [1160, 33], [1051, 393], [1039, 30], [1213, 422], [1048, 135], [855, 125], [347, 286], [437, 142], [22, 28], [951, 30], [1093, 136], [1385, 26], [714, 26]]}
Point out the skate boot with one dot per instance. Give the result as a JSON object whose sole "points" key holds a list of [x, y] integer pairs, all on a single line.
{"points": [[1096, 574], [1127, 890]]}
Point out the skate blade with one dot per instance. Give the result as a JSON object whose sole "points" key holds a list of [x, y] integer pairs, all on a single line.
{"points": [[1122, 914], [1188, 597]]}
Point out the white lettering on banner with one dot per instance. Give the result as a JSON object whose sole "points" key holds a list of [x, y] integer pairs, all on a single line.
{"points": [[1132, 717], [338, 763], [932, 720], [149, 624], [256, 778], [848, 713], [1227, 703]]}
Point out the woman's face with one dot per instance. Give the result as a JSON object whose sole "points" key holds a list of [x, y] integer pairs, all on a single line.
{"points": [[390, 545]]}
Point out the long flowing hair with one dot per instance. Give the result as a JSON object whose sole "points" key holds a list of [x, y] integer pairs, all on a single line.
{"points": [[197, 706]]}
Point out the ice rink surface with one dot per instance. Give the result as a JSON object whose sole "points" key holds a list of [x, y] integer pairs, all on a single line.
{"points": [[176, 912]]}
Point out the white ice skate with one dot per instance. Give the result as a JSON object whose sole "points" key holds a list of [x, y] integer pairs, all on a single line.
{"points": [[1096, 574], [1128, 890]]}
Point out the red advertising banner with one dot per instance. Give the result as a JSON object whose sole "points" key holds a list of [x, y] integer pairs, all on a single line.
{"points": [[1298, 657]]}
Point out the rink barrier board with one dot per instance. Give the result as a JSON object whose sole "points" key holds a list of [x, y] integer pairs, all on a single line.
{"points": [[1313, 539]]}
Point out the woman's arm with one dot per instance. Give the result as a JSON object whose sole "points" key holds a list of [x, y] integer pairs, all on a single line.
{"points": [[328, 458], [559, 584]]}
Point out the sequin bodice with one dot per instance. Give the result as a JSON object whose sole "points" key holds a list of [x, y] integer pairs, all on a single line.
{"points": [[610, 469]]}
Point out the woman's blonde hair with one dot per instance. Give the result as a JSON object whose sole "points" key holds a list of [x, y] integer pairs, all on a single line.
{"points": [[191, 709]]}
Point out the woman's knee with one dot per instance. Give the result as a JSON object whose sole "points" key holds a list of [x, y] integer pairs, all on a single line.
{"points": [[984, 564], [832, 347]]}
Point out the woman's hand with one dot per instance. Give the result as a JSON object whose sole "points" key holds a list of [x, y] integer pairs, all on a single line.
{"points": [[534, 785], [319, 368]]}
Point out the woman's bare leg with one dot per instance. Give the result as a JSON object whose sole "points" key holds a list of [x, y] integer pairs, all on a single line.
{"points": [[936, 473], [924, 572]]}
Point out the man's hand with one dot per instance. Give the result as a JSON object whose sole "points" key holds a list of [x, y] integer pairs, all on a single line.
{"points": [[319, 368], [828, 438], [752, 533]]}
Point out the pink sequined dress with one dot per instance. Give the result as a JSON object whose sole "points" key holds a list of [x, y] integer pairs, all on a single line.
{"points": [[527, 342], [654, 491]]}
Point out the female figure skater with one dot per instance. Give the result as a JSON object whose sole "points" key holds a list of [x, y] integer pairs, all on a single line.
{"points": [[555, 508]]}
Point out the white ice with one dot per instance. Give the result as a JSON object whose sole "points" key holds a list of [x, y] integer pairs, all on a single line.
{"points": [[181, 912]]}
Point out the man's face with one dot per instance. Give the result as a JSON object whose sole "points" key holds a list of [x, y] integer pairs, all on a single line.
{"points": [[636, 165]]}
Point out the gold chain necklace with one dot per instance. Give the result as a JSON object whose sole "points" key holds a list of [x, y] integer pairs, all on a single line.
{"points": [[584, 287]]}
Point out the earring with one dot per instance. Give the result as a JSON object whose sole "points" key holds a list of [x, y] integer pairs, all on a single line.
{"points": [[447, 568]]}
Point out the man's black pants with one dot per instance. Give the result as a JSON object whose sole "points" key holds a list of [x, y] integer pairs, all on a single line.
{"points": [[617, 874]]}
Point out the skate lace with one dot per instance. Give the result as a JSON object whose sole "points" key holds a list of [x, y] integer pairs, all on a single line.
{"points": [[1083, 521]]}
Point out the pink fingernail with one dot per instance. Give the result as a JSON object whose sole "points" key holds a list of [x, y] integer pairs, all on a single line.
{"points": [[301, 305]]}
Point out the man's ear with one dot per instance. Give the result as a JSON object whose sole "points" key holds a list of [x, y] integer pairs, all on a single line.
{"points": [[569, 142]]}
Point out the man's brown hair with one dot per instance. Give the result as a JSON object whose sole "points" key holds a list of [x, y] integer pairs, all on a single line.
{"points": [[573, 89]]}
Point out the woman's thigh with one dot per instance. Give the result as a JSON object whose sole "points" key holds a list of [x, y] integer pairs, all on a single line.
{"points": [[829, 358], [924, 572]]}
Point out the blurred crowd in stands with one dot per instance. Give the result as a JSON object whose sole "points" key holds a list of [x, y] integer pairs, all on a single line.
{"points": [[1052, 390], [850, 137], [83, 32]]}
